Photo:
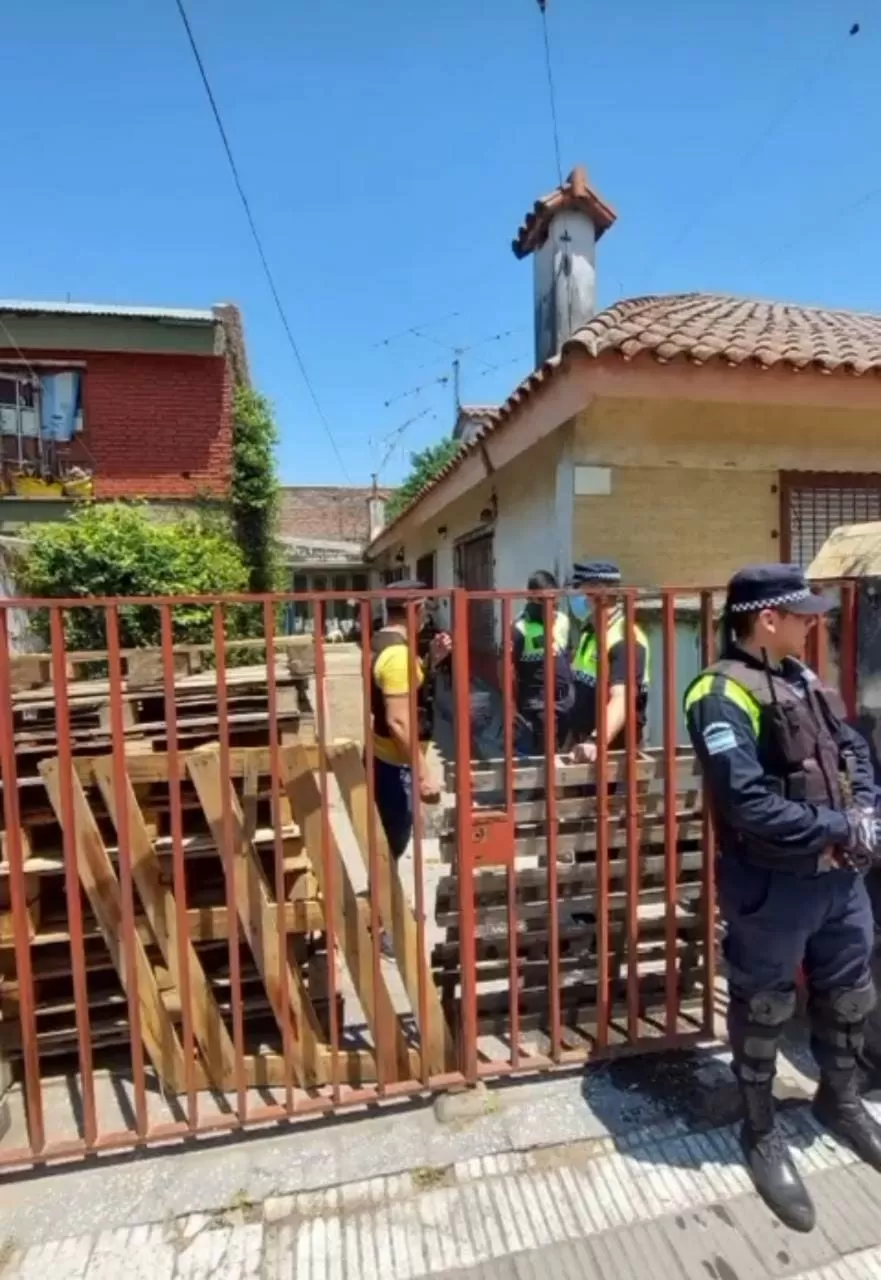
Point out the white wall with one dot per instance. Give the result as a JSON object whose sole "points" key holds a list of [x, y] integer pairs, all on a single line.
{"points": [[533, 528]]}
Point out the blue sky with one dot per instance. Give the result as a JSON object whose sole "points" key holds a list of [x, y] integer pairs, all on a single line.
{"points": [[390, 150]]}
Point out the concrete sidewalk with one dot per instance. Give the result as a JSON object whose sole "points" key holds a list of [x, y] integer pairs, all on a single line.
{"points": [[625, 1173]]}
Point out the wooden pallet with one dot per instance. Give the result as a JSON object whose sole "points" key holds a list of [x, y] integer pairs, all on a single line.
{"points": [[284, 975], [145, 665], [143, 713], [524, 884]]}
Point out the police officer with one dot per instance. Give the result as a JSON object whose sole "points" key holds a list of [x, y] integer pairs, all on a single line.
{"points": [[528, 646], [585, 664], [393, 733], [791, 792]]}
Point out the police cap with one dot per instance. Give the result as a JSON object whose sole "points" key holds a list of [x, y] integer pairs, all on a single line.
{"points": [[774, 586], [595, 573]]}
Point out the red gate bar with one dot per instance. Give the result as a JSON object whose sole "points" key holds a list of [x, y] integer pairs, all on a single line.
{"points": [[631, 746], [373, 874], [510, 870], [601, 615], [178, 871], [229, 854], [71, 875], [465, 820], [708, 655], [126, 883], [671, 855], [550, 746]]}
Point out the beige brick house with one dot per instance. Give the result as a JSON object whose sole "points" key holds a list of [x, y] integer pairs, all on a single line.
{"points": [[680, 436]]}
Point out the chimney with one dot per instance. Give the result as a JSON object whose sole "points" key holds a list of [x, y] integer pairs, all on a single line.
{"points": [[375, 513], [561, 233]]}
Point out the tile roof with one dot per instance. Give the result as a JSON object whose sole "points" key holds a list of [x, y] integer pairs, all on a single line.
{"points": [[332, 512], [575, 193], [700, 328]]}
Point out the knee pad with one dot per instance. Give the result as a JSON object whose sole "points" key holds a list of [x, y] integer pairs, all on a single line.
{"points": [[848, 1005], [771, 1008]]}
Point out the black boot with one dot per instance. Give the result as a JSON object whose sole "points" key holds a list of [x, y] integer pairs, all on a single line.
{"points": [[839, 1107], [769, 1161]]}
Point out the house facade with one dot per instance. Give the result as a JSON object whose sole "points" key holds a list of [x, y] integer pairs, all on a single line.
{"points": [[324, 530], [680, 436], [114, 402]]}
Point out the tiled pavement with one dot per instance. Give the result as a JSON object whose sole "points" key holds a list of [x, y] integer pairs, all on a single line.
{"points": [[677, 1205]]}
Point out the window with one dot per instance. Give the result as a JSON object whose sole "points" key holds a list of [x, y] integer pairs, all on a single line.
{"points": [[399, 574], [814, 505]]}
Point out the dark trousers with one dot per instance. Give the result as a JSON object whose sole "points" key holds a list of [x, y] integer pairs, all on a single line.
{"points": [[393, 789], [530, 733], [775, 923]]}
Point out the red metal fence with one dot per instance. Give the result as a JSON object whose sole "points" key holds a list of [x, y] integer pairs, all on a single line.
{"points": [[202, 927]]}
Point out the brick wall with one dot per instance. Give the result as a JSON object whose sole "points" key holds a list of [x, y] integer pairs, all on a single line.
{"points": [[336, 512], [155, 426], [680, 527]]}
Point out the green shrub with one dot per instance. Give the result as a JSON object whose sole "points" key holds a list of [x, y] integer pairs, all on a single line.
{"points": [[120, 550]]}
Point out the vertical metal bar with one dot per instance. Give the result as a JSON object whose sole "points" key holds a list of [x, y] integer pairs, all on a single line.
{"points": [[511, 870], [228, 855], [178, 866], [327, 860], [671, 832], [126, 882], [287, 1030], [72, 892], [708, 654], [631, 744], [465, 830], [550, 749], [33, 1088], [413, 681], [600, 610], [849, 647], [373, 878]]}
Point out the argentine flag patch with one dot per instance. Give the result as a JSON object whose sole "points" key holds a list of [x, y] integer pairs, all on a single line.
{"points": [[719, 737]]}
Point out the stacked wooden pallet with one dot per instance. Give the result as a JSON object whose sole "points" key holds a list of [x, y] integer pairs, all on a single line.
{"points": [[512, 876], [143, 704], [258, 873]]}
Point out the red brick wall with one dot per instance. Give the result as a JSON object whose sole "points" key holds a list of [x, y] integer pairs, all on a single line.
{"points": [[155, 426]]}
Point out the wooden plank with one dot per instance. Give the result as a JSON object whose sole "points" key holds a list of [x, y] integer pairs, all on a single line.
{"points": [[159, 906], [205, 924], [398, 916], [570, 843], [351, 914], [257, 915], [99, 881], [489, 775]]}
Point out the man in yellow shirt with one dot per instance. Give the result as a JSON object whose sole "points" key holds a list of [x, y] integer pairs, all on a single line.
{"points": [[393, 734]]}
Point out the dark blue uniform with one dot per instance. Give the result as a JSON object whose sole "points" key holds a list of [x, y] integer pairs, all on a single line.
{"points": [[791, 790], [788, 911]]}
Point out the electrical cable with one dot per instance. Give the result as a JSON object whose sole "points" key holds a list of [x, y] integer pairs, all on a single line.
{"points": [[257, 240], [543, 6], [799, 91]]}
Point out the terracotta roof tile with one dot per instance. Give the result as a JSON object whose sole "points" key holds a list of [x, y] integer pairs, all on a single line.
{"points": [[575, 193], [700, 328]]}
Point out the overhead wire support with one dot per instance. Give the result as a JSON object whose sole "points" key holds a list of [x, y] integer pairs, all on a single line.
{"points": [[270, 278]]}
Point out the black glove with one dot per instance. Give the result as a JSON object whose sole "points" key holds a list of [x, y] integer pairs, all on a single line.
{"points": [[862, 850]]}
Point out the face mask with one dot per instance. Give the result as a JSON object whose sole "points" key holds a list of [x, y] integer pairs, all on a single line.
{"points": [[580, 607]]}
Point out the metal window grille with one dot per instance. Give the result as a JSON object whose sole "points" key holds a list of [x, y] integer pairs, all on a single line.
{"points": [[816, 507]]}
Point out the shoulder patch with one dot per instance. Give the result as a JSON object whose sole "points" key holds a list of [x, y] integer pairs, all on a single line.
{"points": [[719, 737]]}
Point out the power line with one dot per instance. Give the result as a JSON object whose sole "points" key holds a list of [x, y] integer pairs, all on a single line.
{"points": [[256, 236], [799, 91], [405, 333], [828, 219], [543, 6]]}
